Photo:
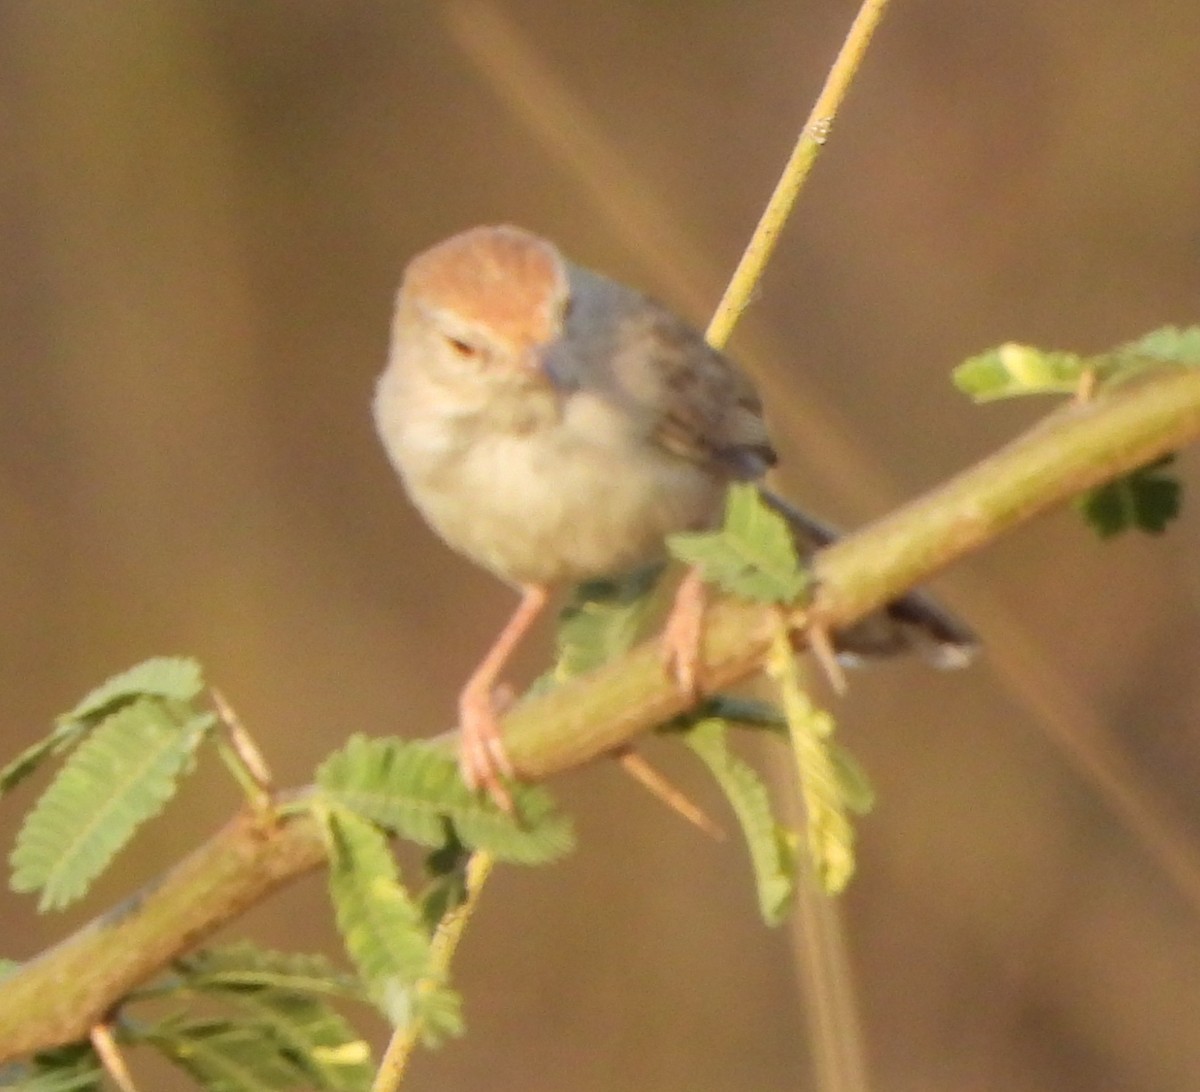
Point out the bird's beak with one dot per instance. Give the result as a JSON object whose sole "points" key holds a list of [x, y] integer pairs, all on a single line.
{"points": [[555, 361]]}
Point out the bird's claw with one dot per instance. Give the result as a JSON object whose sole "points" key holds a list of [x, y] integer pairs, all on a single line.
{"points": [[682, 635], [482, 758]]}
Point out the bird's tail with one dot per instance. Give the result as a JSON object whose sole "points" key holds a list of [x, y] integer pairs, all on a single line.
{"points": [[915, 622]]}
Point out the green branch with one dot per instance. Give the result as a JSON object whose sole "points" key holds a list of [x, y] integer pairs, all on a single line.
{"points": [[58, 996], [61, 994]]}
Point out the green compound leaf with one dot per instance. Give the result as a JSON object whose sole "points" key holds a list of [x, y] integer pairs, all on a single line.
{"points": [[854, 786], [771, 851], [243, 967], [173, 678], [414, 789], [1011, 369], [73, 1068], [446, 869], [753, 554], [1168, 345], [62, 739], [164, 677], [1147, 499], [122, 775], [283, 996], [226, 1056], [313, 1037], [829, 786], [603, 619], [384, 932]]}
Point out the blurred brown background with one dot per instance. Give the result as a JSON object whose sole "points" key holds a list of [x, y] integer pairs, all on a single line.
{"points": [[204, 212]]}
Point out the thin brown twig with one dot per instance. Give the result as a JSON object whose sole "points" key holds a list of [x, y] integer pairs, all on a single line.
{"points": [[111, 1057], [246, 760], [820, 643], [659, 787]]}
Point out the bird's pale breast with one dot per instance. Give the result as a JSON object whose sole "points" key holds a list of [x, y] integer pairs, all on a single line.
{"points": [[550, 504]]}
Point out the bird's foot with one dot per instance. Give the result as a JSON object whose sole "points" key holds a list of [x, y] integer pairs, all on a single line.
{"points": [[683, 632], [482, 758]]}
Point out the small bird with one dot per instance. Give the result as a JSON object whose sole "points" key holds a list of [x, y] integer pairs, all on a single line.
{"points": [[555, 426]]}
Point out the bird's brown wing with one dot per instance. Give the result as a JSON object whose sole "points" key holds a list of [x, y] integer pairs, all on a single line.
{"points": [[705, 407]]}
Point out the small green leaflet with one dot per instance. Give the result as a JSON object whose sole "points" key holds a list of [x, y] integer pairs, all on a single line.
{"points": [[446, 889], [1168, 345], [752, 555], [72, 1068], [828, 794], [772, 852], [854, 786], [173, 678], [314, 1038], [63, 738], [225, 1056], [383, 930], [120, 776], [1012, 369], [413, 788], [602, 619], [282, 998], [243, 966], [1146, 500], [164, 677]]}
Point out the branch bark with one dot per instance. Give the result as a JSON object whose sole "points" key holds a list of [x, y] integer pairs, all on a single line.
{"points": [[58, 996]]}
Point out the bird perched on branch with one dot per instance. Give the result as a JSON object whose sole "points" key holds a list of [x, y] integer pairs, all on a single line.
{"points": [[555, 426]]}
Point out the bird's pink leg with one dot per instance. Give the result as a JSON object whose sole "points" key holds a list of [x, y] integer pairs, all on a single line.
{"points": [[481, 755], [683, 632]]}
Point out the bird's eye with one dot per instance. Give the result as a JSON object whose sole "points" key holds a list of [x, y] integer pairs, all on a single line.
{"points": [[463, 348]]}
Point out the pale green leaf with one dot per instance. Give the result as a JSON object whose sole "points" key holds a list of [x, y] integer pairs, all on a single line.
{"points": [[64, 736], [414, 789], [71, 1068], [1146, 499], [224, 1056], [243, 966], [383, 930], [854, 786], [446, 868], [1013, 369], [282, 994], [828, 785], [753, 554], [174, 678], [602, 619], [119, 777], [1168, 344], [770, 850], [316, 1039], [440, 1011]]}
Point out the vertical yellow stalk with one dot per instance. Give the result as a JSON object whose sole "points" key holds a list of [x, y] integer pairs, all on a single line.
{"points": [[814, 134], [445, 941]]}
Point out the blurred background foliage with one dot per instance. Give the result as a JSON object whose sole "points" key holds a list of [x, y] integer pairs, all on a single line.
{"points": [[204, 210]]}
